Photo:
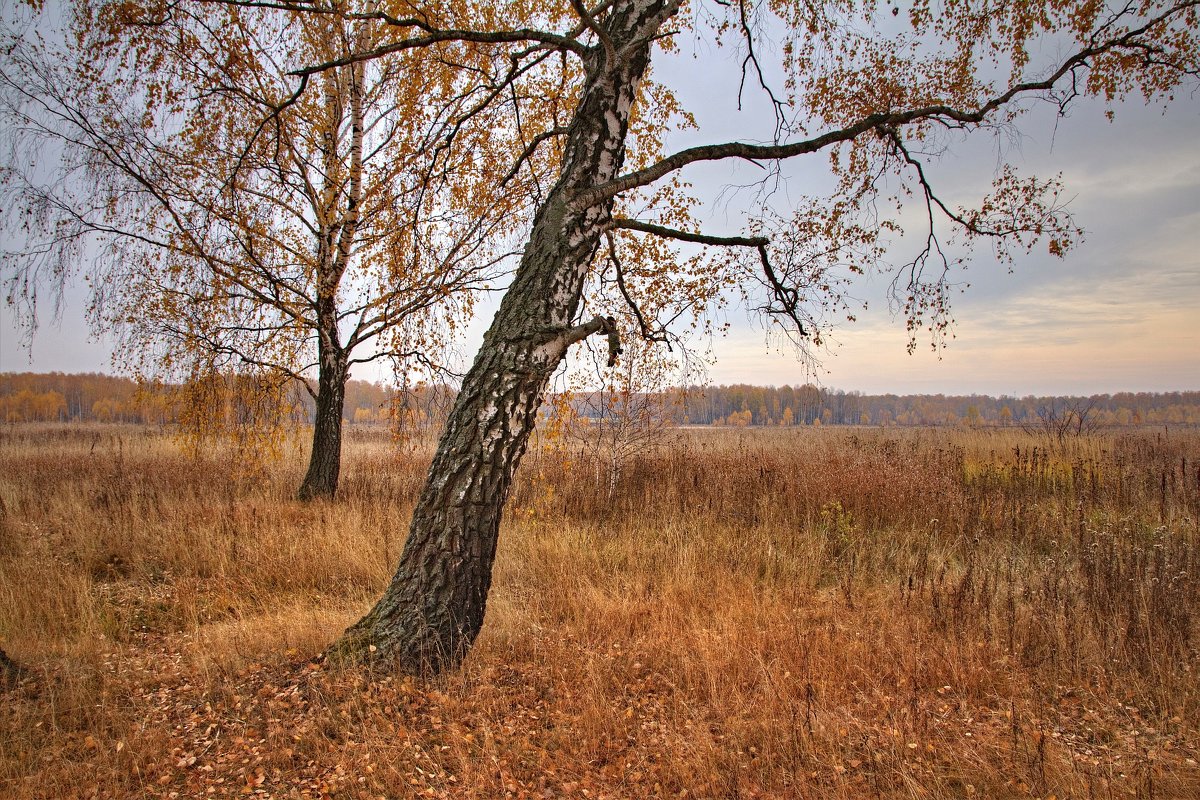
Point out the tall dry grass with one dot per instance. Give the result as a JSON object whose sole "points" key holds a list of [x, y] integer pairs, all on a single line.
{"points": [[775, 613]]}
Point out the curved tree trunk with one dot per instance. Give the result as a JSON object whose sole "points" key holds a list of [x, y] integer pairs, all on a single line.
{"points": [[325, 461], [433, 609]]}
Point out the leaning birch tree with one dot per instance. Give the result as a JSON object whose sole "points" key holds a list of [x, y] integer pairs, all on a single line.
{"points": [[870, 89]]}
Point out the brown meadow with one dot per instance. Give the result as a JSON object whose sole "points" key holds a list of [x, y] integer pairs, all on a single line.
{"points": [[814, 613]]}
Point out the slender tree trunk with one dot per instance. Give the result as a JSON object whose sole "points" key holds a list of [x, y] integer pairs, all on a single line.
{"points": [[325, 461], [433, 609]]}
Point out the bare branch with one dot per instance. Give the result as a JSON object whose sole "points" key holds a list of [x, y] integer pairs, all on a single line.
{"points": [[788, 296], [686, 236], [643, 326], [752, 58]]}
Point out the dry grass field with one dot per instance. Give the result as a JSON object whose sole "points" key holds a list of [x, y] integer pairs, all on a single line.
{"points": [[832, 613]]}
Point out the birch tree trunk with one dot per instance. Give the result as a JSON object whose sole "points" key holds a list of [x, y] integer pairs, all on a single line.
{"points": [[334, 253], [434, 606], [325, 460]]}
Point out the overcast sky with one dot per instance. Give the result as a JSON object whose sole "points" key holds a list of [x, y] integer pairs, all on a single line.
{"points": [[1120, 312]]}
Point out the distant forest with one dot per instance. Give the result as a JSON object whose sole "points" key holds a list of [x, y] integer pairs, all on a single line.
{"points": [[36, 397]]}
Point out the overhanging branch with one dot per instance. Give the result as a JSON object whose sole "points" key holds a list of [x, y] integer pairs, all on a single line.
{"points": [[437, 36], [1128, 41]]}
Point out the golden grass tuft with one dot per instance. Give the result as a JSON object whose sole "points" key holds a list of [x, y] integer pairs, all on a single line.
{"points": [[833, 613]]}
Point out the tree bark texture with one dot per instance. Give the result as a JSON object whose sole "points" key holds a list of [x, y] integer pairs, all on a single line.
{"points": [[325, 460], [434, 606]]}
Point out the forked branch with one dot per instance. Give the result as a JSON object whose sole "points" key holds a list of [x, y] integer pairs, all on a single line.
{"points": [[643, 326], [785, 299]]}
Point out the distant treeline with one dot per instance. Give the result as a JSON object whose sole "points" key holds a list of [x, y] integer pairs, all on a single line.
{"points": [[33, 397], [742, 404], [92, 397]]}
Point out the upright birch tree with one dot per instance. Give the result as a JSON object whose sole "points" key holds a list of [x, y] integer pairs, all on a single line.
{"points": [[240, 223]]}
